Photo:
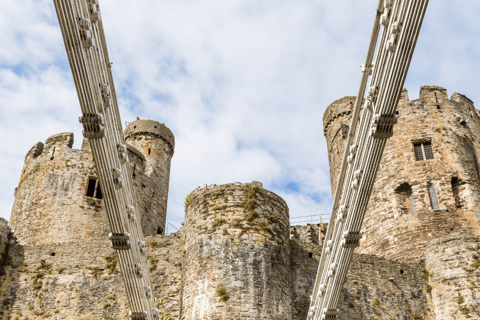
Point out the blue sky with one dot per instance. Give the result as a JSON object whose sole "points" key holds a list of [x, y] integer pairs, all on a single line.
{"points": [[242, 84]]}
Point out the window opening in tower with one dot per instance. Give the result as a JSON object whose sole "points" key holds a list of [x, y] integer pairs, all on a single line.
{"points": [[433, 197], [423, 151], [148, 151], [93, 189], [53, 153], [456, 191], [159, 230], [412, 203]]}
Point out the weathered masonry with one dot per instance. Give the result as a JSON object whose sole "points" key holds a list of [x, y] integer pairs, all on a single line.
{"points": [[59, 199], [428, 183]]}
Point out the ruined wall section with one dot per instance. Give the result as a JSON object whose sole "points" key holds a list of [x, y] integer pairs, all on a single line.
{"points": [[50, 201], [375, 288], [453, 267], [157, 143], [400, 220], [81, 280], [310, 233], [237, 259]]}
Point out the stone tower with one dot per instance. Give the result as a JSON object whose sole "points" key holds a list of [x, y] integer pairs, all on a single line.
{"points": [[428, 183], [157, 143], [58, 198], [236, 263]]}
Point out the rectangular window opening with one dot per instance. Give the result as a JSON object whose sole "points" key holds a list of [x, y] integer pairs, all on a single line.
{"points": [[91, 187], [433, 197], [99, 194], [423, 151], [412, 203], [456, 191]]}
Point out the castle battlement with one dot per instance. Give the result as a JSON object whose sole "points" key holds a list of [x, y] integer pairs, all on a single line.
{"points": [[428, 182], [59, 197], [150, 127]]}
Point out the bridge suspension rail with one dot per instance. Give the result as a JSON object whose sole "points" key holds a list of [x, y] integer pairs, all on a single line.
{"points": [[82, 30], [395, 32]]}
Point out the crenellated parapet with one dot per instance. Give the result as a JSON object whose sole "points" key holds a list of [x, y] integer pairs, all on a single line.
{"points": [[428, 184], [58, 198]]}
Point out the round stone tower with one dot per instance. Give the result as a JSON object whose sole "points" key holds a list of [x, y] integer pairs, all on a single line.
{"points": [[236, 262], [157, 143], [428, 183], [58, 198]]}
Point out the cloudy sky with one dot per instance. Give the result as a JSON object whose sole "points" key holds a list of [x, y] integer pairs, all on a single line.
{"points": [[242, 84]]}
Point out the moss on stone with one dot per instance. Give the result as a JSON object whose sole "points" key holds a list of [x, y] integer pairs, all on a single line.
{"points": [[222, 292], [111, 263]]}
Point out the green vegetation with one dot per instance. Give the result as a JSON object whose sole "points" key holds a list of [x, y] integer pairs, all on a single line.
{"points": [[188, 200], [426, 274], [222, 207], [60, 270], [153, 263], [222, 292], [429, 288], [111, 263], [96, 271], [218, 222], [37, 281]]}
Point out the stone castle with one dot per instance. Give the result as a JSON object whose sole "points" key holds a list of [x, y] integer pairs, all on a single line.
{"points": [[236, 256]]}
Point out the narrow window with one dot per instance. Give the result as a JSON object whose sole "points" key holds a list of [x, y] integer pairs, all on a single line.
{"points": [[134, 168], [456, 191], [53, 153], [345, 130], [148, 151], [310, 255], [433, 197], [423, 151], [98, 194], [412, 203], [91, 187]]}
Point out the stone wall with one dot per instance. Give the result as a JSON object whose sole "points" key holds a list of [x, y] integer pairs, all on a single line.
{"points": [[311, 233], [236, 263], [157, 143], [395, 227], [80, 280], [453, 267], [375, 288]]}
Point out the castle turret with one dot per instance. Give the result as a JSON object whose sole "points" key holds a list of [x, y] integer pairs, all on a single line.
{"points": [[427, 186], [58, 198], [236, 262], [53, 201], [157, 143]]}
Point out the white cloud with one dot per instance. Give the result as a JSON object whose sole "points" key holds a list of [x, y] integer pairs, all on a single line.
{"points": [[242, 84]]}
